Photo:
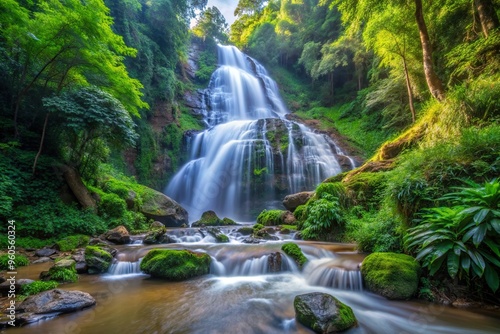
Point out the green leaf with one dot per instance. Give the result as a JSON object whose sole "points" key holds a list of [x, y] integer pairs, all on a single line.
{"points": [[470, 210], [479, 235], [477, 261], [469, 234], [495, 248], [453, 264], [495, 223], [479, 217], [465, 262], [491, 277], [436, 265]]}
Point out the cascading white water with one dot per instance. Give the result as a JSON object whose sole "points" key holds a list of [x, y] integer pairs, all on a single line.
{"points": [[250, 156]]}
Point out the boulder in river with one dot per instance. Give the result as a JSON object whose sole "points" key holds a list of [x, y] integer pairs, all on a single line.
{"points": [[98, 260], [175, 265], [45, 252], [162, 208], [155, 234], [392, 275], [292, 201], [57, 300], [118, 235], [323, 313]]}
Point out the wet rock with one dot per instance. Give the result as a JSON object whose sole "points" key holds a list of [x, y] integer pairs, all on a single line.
{"points": [[344, 162], [45, 252], [67, 263], [81, 268], [97, 259], [42, 260], [155, 235], [159, 207], [323, 313], [156, 224], [6, 285], [394, 276], [246, 230], [291, 202], [251, 240], [167, 239], [288, 218], [274, 262], [57, 300], [217, 234], [295, 252], [118, 235], [175, 265], [208, 218]]}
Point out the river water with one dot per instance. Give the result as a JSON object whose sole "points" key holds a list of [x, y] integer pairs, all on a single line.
{"points": [[242, 295]]}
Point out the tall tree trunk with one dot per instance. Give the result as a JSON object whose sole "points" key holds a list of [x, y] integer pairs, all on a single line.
{"points": [[487, 16], [41, 142], [433, 82], [410, 91]]}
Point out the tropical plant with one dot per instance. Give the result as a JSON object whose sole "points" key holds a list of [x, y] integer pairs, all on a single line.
{"points": [[323, 215], [463, 238]]}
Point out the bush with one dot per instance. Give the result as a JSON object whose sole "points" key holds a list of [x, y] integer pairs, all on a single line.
{"points": [[462, 239], [270, 217], [323, 218], [36, 287], [71, 242], [19, 261], [112, 206], [61, 274]]}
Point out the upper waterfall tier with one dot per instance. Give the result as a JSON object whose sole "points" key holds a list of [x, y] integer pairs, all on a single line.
{"points": [[250, 156]]}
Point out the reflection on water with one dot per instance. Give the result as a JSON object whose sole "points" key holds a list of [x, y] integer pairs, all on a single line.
{"points": [[251, 303]]}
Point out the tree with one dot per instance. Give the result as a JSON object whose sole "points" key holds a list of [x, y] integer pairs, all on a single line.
{"points": [[487, 16], [90, 117], [212, 24]]}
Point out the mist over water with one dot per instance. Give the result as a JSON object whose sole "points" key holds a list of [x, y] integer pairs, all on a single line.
{"points": [[250, 156]]}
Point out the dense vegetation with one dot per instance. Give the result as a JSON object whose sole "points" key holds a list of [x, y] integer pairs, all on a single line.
{"points": [[414, 85], [94, 87]]}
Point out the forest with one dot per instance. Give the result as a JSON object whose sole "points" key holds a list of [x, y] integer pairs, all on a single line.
{"points": [[96, 89]]}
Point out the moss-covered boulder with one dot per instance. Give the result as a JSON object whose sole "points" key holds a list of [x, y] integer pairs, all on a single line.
{"points": [[295, 253], [292, 201], [118, 235], [63, 271], [394, 276], [208, 218], [323, 313], [271, 217], [98, 259], [175, 265], [160, 207]]}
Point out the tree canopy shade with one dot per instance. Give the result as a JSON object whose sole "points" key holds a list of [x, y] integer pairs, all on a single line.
{"points": [[211, 23]]}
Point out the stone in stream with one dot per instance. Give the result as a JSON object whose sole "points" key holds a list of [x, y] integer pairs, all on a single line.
{"points": [[155, 235], [162, 208], [56, 301], [45, 252], [175, 265], [323, 313], [97, 259], [118, 235]]}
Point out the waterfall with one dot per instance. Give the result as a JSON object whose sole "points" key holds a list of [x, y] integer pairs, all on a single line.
{"points": [[250, 156]]}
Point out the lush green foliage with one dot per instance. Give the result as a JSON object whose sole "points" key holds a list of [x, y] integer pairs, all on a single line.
{"points": [[19, 261], [323, 217], [62, 274], [462, 239], [38, 286], [293, 250], [72, 242], [270, 217]]}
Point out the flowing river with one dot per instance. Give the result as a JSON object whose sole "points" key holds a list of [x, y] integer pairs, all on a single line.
{"points": [[247, 291]]}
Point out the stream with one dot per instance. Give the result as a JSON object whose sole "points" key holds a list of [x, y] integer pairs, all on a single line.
{"points": [[242, 294]]}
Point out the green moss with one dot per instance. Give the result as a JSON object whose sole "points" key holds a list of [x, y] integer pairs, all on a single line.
{"points": [[294, 252], [222, 238], [246, 230], [208, 218], [392, 275], [71, 242], [36, 287], [98, 260], [63, 274], [19, 261], [228, 221], [112, 206], [175, 265], [257, 227], [270, 217]]}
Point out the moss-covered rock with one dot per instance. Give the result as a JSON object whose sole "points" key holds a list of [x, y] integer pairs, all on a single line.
{"points": [[323, 313], [72, 242], [175, 265], [63, 271], [217, 234], [245, 230], [98, 260], [228, 221], [155, 235], [271, 217], [394, 276], [162, 208], [208, 218], [294, 252], [118, 235]]}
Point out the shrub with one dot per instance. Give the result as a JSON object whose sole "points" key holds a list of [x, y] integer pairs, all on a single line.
{"points": [[270, 217], [36, 287], [61, 274], [112, 206], [463, 238], [19, 261], [323, 217], [71, 242]]}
